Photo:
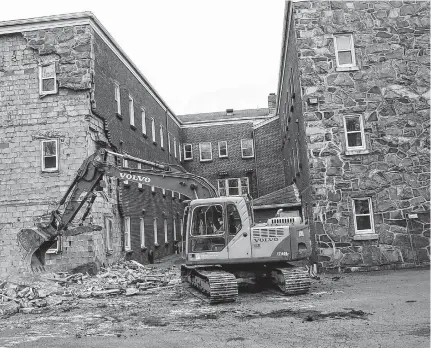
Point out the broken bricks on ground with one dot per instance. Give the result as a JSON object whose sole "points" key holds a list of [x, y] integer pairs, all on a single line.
{"points": [[125, 278]]}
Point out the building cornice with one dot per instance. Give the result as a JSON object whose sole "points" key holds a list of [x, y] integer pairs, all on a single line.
{"points": [[86, 18]]}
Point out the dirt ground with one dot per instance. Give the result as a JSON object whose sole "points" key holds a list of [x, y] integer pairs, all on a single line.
{"points": [[376, 309]]}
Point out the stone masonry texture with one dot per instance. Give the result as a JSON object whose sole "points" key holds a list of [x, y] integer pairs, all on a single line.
{"points": [[390, 89]]}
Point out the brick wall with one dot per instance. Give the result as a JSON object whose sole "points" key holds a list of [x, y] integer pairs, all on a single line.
{"points": [[389, 89], [234, 165], [109, 69]]}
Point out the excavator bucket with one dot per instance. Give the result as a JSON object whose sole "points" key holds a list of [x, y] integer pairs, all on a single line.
{"points": [[35, 243]]}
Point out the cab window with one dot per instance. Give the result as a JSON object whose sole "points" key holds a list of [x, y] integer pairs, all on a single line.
{"points": [[233, 220], [207, 220]]}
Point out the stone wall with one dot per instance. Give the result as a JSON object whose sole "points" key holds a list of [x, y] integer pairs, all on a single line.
{"points": [[29, 194], [390, 89]]}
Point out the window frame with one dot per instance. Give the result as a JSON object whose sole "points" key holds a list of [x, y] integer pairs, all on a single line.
{"points": [[144, 121], [117, 97], [352, 51], [165, 229], [108, 233], [142, 231], [371, 215], [127, 232], [361, 131], [200, 152], [42, 155], [131, 111], [191, 152], [219, 148], [153, 129], [227, 189], [205, 235], [56, 248], [41, 79], [243, 148], [156, 242], [162, 136]]}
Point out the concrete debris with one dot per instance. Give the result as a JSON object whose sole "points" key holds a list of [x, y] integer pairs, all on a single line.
{"points": [[126, 278]]}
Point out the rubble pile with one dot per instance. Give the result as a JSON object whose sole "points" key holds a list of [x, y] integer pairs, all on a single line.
{"points": [[126, 278]]}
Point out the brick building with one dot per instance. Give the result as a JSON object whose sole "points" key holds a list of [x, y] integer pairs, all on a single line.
{"points": [[353, 101], [67, 89]]}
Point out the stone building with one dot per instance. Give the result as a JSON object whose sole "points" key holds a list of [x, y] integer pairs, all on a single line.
{"points": [[353, 101]]}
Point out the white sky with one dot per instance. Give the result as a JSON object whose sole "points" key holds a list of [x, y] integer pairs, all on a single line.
{"points": [[199, 55]]}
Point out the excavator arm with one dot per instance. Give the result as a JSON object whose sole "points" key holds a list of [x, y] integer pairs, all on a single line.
{"points": [[35, 242]]}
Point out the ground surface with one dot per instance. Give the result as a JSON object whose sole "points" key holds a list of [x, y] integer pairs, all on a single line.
{"points": [[377, 309]]}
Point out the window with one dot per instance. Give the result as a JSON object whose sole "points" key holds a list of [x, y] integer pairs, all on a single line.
{"points": [[169, 142], [139, 167], [49, 155], [222, 149], [233, 186], [179, 151], [142, 230], [175, 228], [344, 50], [127, 245], [207, 228], [56, 247], [144, 121], [188, 151], [131, 111], [363, 212], [161, 136], [205, 152], [155, 231], [354, 131], [118, 98], [165, 228], [233, 220], [175, 148], [247, 149], [153, 129], [47, 79], [108, 229], [181, 227]]}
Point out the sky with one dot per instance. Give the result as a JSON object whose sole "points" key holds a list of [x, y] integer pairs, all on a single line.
{"points": [[199, 55]]}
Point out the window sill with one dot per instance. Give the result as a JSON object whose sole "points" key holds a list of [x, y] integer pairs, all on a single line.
{"points": [[347, 68], [154, 142], [119, 115], [129, 251], [55, 252], [350, 152], [156, 245], [366, 236], [143, 248], [144, 135], [133, 126], [53, 171], [223, 157], [208, 160], [247, 157], [188, 159]]}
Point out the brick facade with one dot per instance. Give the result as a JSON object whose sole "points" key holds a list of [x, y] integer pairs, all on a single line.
{"points": [[388, 89]]}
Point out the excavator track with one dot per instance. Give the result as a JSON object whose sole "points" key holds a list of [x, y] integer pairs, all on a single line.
{"points": [[292, 281], [217, 285]]}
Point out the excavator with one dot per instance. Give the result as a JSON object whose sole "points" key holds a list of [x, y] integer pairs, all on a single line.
{"points": [[223, 245]]}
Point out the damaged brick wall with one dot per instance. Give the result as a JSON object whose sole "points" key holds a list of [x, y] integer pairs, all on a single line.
{"points": [[28, 193], [390, 90]]}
